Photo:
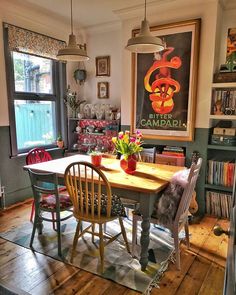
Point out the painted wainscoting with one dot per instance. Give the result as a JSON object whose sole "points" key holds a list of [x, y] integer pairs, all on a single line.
{"points": [[13, 177], [199, 144]]}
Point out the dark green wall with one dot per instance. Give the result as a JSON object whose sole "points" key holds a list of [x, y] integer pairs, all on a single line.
{"points": [[13, 177], [199, 144], [16, 180]]}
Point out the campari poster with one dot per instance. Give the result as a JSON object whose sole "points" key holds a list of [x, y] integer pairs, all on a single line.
{"points": [[165, 84]]}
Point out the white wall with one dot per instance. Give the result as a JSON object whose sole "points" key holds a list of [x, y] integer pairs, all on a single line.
{"points": [[35, 21], [208, 13], [104, 44]]}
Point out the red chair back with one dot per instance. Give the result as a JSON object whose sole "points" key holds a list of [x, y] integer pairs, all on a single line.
{"points": [[37, 155]]}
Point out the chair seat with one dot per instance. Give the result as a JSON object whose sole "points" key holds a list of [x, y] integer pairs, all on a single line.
{"points": [[49, 202]]}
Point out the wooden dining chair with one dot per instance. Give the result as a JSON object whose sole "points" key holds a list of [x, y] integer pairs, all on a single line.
{"points": [[85, 184], [146, 155], [181, 217], [54, 202], [39, 155]]}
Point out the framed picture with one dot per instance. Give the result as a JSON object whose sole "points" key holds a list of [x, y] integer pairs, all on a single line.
{"points": [[164, 84], [103, 90], [102, 66]]}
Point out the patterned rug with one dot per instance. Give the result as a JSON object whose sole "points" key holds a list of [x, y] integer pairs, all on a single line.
{"points": [[119, 265]]}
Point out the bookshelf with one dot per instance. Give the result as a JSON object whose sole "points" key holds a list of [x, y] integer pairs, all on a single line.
{"points": [[218, 191]]}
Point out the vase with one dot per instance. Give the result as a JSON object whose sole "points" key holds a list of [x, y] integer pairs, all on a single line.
{"points": [[129, 165]]}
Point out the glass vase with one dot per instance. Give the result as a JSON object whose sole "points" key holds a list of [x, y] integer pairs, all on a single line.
{"points": [[129, 165]]}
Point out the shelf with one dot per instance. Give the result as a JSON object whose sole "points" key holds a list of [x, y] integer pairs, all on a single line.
{"points": [[93, 133], [223, 117], [219, 187], [221, 147], [224, 85], [97, 120]]}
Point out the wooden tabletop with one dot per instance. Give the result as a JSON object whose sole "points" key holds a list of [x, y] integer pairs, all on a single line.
{"points": [[148, 177]]}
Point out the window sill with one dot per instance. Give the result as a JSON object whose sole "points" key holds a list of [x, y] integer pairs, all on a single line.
{"points": [[25, 154]]}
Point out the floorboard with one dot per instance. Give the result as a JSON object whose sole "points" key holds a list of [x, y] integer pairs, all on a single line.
{"points": [[202, 266]]}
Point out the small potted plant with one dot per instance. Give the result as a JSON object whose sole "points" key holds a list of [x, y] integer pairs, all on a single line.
{"points": [[72, 102], [60, 142], [96, 158]]}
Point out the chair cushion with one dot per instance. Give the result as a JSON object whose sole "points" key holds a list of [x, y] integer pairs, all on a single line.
{"points": [[49, 202], [117, 208]]}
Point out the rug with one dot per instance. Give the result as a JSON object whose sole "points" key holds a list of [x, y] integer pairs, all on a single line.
{"points": [[119, 266]]}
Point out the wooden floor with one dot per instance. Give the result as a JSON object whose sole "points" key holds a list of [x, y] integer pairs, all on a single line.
{"points": [[202, 266]]}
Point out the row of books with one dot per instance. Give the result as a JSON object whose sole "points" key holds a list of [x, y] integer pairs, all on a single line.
{"points": [[173, 151], [218, 204], [227, 98], [220, 173]]}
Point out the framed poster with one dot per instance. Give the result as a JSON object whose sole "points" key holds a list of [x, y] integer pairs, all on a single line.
{"points": [[164, 84], [103, 89], [102, 66]]}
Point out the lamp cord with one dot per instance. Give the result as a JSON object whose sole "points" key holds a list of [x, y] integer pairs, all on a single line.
{"points": [[71, 17], [145, 10]]}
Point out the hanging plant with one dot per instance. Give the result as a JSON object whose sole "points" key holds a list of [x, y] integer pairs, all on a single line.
{"points": [[80, 75]]}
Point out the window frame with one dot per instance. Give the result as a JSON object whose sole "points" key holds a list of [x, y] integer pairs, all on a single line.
{"points": [[59, 88]]}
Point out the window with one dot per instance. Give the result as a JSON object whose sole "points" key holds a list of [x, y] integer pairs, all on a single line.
{"points": [[35, 98]]}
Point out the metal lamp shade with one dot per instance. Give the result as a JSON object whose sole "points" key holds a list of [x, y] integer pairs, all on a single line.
{"points": [[145, 42], [72, 52]]}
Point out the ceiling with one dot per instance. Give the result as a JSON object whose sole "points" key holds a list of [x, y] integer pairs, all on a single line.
{"points": [[89, 12]]}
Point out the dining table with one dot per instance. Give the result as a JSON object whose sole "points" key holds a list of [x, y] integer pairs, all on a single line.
{"points": [[143, 186]]}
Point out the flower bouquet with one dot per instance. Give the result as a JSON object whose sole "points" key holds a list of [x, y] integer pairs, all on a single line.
{"points": [[128, 146]]}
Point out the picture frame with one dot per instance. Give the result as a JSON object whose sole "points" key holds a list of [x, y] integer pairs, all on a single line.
{"points": [[103, 89], [102, 66], [165, 84]]}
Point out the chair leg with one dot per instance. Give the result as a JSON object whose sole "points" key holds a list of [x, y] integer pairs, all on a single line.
{"points": [[105, 227], [53, 221], [93, 229], [33, 231], [177, 250], [32, 211], [124, 234], [75, 241], [58, 222], [101, 247], [187, 234], [134, 234]]}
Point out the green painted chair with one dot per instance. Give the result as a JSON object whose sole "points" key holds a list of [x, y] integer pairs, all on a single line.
{"points": [[55, 202]]}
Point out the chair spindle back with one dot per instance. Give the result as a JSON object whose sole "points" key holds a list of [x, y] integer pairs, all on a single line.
{"points": [[85, 184], [37, 155], [188, 191]]}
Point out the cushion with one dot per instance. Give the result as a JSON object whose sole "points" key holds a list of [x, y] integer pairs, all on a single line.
{"points": [[49, 202], [117, 208]]}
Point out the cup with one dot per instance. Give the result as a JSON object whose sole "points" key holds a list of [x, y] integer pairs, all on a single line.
{"points": [[96, 160]]}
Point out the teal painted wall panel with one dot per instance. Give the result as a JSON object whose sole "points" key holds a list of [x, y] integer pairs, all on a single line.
{"points": [[13, 177], [199, 144], [17, 184]]}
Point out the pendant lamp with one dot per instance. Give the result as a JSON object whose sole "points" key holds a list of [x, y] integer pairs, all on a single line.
{"points": [[145, 42], [73, 52]]}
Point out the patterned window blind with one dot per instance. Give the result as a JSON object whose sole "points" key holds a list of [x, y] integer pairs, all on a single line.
{"points": [[26, 41]]}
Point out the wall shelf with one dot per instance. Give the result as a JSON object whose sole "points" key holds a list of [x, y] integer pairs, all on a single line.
{"points": [[221, 147], [224, 85], [219, 187], [223, 117]]}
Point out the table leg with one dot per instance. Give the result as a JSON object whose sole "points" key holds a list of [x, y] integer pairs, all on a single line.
{"points": [[146, 209], [144, 241]]}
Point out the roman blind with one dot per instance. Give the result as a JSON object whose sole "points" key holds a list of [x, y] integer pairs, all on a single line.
{"points": [[26, 41]]}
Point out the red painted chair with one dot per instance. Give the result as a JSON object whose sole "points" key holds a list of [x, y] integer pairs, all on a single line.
{"points": [[39, 155]]}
